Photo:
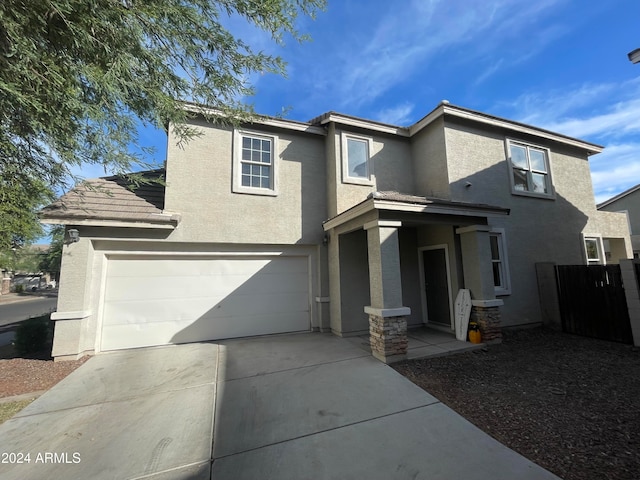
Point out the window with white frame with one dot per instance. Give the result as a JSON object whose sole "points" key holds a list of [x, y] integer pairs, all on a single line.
{"points": [[529, 165], [499, 262], [356, 164], [593, 250], [254, 163]]}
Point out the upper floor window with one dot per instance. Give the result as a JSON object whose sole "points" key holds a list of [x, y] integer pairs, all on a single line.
{"points": [[499, 263], [356, 159], [254, 163], [530, 173]]}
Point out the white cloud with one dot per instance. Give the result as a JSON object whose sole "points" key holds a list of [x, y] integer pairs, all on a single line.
{"points": [[420, 36], [398, 115], [602, 112], [619, 119], [489, 71], [542, 108], [615, 170]]}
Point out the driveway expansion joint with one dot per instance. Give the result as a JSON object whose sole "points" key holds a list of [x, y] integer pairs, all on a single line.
{"points": [[293, 369], [430, 404], [120, 400]]}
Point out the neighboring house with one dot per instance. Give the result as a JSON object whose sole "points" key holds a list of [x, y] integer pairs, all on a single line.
{"points": [[339, 224], [627, 202]]}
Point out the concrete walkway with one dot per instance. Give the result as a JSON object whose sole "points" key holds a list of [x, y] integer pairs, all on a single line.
{"points": [[309, 406]]}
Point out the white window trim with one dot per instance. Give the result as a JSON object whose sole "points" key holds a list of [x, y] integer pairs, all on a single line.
{"points": [[237, 163], [514, 191], [602, 257], [504, 258], [344, 136]]}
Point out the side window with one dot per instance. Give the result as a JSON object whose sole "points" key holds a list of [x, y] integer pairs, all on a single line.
{"points": [[356, 159], [529, 169], [254, 163], [499, 262], [593, 250]]}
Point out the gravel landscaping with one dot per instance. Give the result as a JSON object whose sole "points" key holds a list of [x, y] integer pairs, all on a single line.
{"points": [[568, 403], [33, 373]]}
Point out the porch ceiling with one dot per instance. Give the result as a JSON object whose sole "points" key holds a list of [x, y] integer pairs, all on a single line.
{"points": [[412, 209]]}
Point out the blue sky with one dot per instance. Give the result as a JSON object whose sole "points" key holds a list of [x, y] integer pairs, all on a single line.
{"points": [[556, 64]]}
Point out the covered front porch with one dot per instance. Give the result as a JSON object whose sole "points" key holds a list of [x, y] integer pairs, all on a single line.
{"points": [[397, 262], [424, 342]]}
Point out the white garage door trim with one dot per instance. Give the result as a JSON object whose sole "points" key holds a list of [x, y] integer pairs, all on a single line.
{"points": [[218, 297]]}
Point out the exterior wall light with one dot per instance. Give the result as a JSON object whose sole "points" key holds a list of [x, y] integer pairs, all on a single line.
{"points": [[74, 235]]}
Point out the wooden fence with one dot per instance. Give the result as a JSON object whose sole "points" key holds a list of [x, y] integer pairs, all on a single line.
{"points": [[592, 302]]}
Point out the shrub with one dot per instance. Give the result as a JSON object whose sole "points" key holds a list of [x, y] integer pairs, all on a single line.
{"points": [[19, 288], [32, 335]]}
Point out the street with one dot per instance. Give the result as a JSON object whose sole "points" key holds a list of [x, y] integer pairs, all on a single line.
{"points": [[17, 311]]}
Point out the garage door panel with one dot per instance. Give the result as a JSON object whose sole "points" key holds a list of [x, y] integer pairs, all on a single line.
{"points": [[180, 267], [142, 335], [162, 333], [140, 312], [242, 305], [137, 311], [192, 287], [159, 300]]}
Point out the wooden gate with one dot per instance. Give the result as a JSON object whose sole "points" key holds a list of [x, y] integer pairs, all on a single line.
{"points": [[593, 303]]}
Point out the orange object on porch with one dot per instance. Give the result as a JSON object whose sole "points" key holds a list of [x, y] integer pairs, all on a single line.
{"points": [[474, 333]]}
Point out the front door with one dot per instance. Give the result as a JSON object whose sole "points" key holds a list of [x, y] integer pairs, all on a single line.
{"points": [[436, 285]]}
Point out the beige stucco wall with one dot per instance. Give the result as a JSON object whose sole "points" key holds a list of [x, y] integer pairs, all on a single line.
{"points": [[537, 229], [354, 278], [74, 311], [411, 283], [429, 160], [630, 205], [391, 169], [199, 188]]}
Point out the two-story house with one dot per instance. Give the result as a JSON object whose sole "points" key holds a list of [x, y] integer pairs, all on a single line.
{"points": [[338, 224]]}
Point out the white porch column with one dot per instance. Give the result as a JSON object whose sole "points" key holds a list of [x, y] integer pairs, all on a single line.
{"points": [[387, 315], [478, 278]]}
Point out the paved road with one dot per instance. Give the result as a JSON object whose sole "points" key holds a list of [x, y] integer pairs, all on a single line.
{"points": [[17, 311]]}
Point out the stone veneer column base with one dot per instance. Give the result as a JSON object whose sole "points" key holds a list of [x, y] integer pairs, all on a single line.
{"points": [[388, 338], [488, 320]]}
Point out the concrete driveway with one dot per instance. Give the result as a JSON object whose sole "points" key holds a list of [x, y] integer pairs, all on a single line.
{"points": [[308, 406]]}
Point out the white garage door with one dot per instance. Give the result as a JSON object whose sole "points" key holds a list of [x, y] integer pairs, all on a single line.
{"points": [[153, 300]]}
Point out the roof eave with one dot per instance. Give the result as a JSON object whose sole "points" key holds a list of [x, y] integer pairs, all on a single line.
{"points": [[432, 207], [341, 119], [169, 222], [259, 119], [445, 109]]}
